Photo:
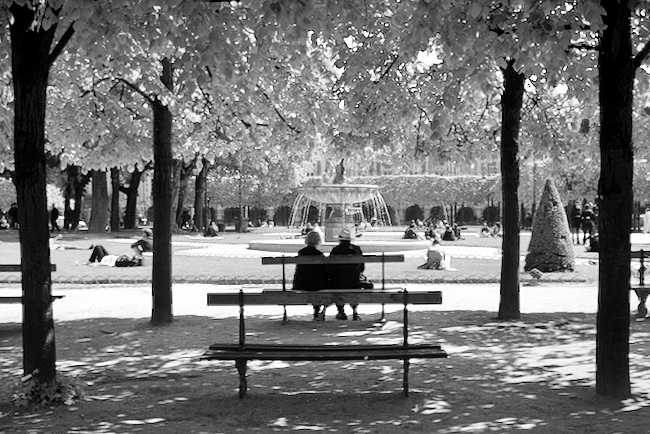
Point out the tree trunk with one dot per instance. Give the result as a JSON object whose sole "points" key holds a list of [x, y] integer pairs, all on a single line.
{"points": [[71, 173], [80, 188], [100, 209], [162, 196], [616, 81], [177, 169], [511, 103], [115, 199], [30, 67], [200, 191], [74, 190], [186, 174], [182, 192], [67, 211], [132, 199]]}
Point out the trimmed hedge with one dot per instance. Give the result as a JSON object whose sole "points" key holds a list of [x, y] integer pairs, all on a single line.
{"points": [[550, 248]]}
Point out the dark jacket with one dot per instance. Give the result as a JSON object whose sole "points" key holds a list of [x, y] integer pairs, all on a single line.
{"points": [[346, 276], [310, 277]]}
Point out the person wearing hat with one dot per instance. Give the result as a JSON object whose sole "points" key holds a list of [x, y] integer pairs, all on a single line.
{"points": [[346, 276]]}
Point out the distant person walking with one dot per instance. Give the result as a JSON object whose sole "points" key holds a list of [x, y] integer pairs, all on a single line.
{"points": [[576, 223], [54, 216], [588, 223]]}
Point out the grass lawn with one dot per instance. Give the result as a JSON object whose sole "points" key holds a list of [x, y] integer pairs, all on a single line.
{"points": [[248, 269]]}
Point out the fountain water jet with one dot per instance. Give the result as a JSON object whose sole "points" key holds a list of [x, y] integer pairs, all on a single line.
{"points": [[341, 199]]}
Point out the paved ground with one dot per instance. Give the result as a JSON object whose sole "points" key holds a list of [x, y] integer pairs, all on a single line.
{"points": [[103, 301]]}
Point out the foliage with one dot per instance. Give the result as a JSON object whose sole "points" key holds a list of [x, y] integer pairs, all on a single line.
{"points": [[63, 390], [434, 189], [551, 247]]}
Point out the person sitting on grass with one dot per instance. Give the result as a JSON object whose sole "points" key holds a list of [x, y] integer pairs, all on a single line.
{"points": [[430, 230], [213, 230], [312, 277], [496, 230], [449, 234], [437, 259], [409, 233], [456, 230], [145, 243]]}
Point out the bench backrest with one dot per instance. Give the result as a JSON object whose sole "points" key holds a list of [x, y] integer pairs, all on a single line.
{"points": [[328, 260], [18, 267], [336, 259]]}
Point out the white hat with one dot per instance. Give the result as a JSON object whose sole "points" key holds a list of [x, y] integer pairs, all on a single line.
{"points": [[345, 234]]}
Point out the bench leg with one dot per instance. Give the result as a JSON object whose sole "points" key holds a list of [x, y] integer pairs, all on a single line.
{"points": [[243, 383], [406, 377], [382, 319], [642, 310], [285, 317]]}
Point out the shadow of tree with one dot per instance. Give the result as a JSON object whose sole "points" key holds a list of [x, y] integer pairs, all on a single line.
{"points": [[535, 375]]}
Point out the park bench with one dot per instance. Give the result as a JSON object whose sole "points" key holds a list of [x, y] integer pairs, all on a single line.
{"points": [[12, 268], [641, 289], [243, 351]]}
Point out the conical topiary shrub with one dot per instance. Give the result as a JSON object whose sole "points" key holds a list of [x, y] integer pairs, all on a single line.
{"points": [[550, 246]]}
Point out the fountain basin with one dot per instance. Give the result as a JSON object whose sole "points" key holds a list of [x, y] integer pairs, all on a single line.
{"points": [[340, 193]]}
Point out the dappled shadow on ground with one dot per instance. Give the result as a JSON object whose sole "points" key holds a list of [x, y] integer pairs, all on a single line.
{"points": [[534, 375]]}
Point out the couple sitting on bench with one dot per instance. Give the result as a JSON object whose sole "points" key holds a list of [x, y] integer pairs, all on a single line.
{"points": [[339, 276]]}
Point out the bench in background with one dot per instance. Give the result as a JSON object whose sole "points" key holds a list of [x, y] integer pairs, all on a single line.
{"points": [[6, 268]]}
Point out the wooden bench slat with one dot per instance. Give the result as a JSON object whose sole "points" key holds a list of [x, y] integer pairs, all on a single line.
{"points": [[278, 353], [336, 259], [308, 347], [19, 299], [9, 300], [18, 267], [289, 298]]}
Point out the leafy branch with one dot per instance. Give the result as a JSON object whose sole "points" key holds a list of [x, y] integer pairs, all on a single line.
{"points": [[275, 108], [58, 49], [641, 55], [137, 90]]}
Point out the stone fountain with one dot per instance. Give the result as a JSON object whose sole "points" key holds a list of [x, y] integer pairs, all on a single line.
{"points": [[341, 198], [338, 206]]}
